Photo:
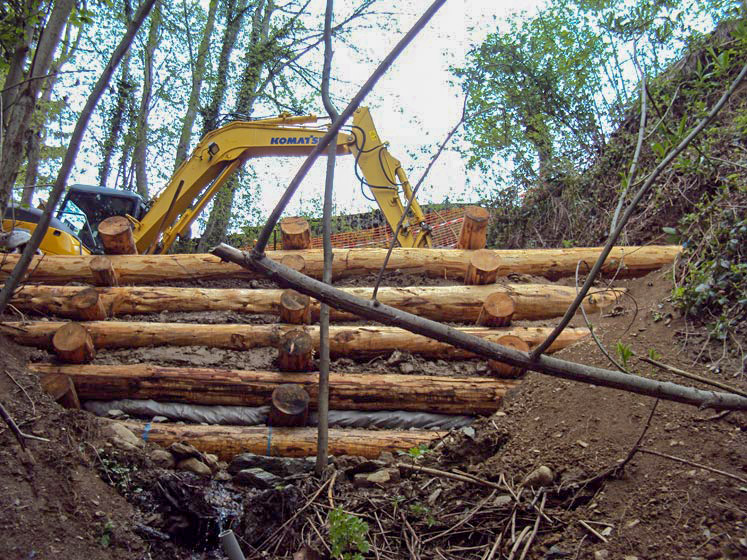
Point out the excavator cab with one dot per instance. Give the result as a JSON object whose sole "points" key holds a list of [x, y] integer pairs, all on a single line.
{"points": [[85, 207]]}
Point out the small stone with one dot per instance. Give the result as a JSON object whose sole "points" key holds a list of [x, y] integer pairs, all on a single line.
{"points": [[257, 478], [360, 480], [434, 496], [630, 557], [194, 465], [396, 358], [582, 443], [182, 450], [633, 523], [542, 476], [222, 476], [99, 514], [379, 477], [159, 419], [162, 458], [601, 554], [211, 461], [253, 284], [606, 532], [469, 431], [387, 458], [500, 413], [502, 500], [406, 367], [557, 551], [118, 433], [115, 413]]}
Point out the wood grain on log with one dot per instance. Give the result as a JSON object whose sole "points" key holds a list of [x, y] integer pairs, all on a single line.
{"points": [[73, 343], [289, 405], [295, 233], [473, 234], [102, 271], [295, 308], [296, 351], [116, 236], [228, 441], [348, 391], [502, 369], [497, 310], [441, 263], [443, 303], [61, 388], [482, 268], [363, 342], [88, 305]]}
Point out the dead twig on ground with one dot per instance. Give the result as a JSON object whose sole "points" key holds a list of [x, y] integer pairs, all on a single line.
{"points": [[695, 377], [692, 464], [535, 529], [593, 531], [20, 436]]}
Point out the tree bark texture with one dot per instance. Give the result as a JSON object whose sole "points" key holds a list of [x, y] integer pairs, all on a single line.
{"points": [[348, 391], [442, 263], [442, 303], [353, 342], [474, 232], [229, 441]]}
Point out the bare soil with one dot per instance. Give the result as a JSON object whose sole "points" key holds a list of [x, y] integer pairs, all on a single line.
{"points": [[76, 496]]}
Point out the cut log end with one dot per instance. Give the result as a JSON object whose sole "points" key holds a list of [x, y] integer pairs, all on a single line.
{"points": [[117, 237], [482, 268], [289, 406], [61, 388], [497, 310], [295, 308], [295, 262], [295, 352], [73, 344], [473, 234], [295, 233], [502, 369], [103, 271], [88, 305]]}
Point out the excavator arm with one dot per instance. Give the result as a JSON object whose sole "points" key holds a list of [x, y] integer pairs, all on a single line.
{"points": [[222, 151]]}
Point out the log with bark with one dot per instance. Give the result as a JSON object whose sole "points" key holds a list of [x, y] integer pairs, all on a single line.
{"points": [[473, 234], [348, 391], [296, 351], [497, 311], [482, 268], [443, 303], [364, 342], [295, 233], [442, 263], [117, 237], [102, 271], [228, 441], [295, 308], [88, 305]]}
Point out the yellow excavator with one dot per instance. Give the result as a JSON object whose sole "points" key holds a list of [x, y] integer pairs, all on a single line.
{"points": [[219, 154]]}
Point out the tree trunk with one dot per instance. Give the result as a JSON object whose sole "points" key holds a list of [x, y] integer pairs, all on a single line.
{"points": [[360, 343], [73, 344], [482, 268], [442, 303], [289, 406], [140, 151], [198, 72], [474, 231], [348, 391], [228, 441], [624, 262], [295, 233], [19, 114], [296, 351]]}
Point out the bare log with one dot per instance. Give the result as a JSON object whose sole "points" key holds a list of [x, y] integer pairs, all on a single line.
{"points": [[482, 268], [228, 441], [88, 305], [117, 237], [443, 303], [442, 263], [102, 271], [502, 369], [348, 391], [497, 310], [480, 346], [473, 234], [289, 406], [295, 351], [295, 233], [364, 342], [73, 343], [295, 308], [62, 389]]}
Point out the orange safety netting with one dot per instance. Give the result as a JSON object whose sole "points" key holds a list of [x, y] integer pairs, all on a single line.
{"points": [[445, 226]]}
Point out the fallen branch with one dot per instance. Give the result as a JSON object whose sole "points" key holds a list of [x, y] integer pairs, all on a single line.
{"points": [[693, 464], [683, 373], [20, 436], [550, 366]]}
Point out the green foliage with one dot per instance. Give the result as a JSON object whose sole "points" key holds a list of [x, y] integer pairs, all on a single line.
{"points": [[417, 452], [423, 512], [106, 534], [347, 535], [625, 353], [653, 354]]}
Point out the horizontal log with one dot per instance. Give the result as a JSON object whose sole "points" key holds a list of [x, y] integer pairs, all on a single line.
{"points": [[228, 441], [348, 391], [442, 303], [443, 263], [353, 342]]}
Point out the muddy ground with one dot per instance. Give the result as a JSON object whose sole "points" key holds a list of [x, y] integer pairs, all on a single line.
{"points": [[79, 496]]}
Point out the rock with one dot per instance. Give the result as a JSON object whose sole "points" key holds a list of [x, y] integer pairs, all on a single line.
{"points": [[223, 476], [383, 476], [182, 450], [279, 466], [633, 557], [211, 461], [257, 478], [162, 458], [387, 458], [502, 500], [115, 413], [116, 432], [396, 358], [194, 465], [557, 551], [469, 431], [159, 419], [601, 554], [542, 476], [406, 367]]}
